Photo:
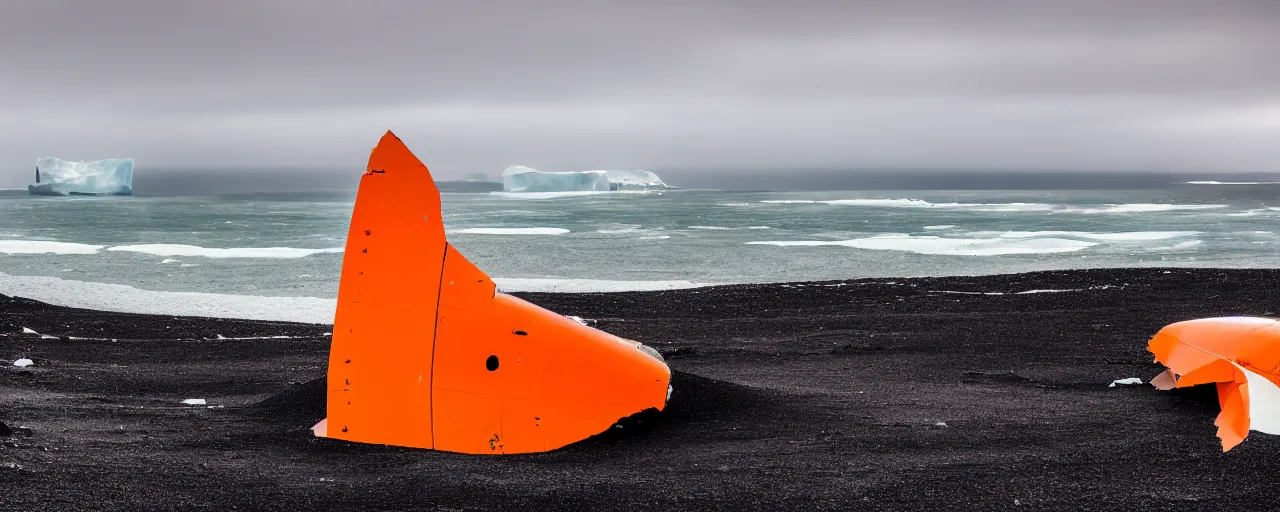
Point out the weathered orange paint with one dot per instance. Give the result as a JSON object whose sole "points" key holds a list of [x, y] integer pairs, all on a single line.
{"points": [[427, 353], [1215, 350]]}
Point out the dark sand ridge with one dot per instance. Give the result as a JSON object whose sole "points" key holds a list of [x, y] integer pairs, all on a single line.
{"points": [[807, 396]]}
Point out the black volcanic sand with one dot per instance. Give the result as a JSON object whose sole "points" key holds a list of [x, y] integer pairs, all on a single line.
{"points": [[870, 394]]}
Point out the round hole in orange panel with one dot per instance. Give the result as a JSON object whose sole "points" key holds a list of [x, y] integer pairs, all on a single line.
{"points": [[491, 363]]}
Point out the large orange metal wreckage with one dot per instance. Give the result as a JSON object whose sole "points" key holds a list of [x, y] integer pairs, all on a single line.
{"points": [[1241, 355], [427, 353]]}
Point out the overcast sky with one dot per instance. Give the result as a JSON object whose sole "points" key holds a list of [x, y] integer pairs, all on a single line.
{"points": [[683, 86]]}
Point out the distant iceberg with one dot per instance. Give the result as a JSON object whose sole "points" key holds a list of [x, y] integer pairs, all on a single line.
{"points": [[56, 177], [628, 180], [519, 178]]}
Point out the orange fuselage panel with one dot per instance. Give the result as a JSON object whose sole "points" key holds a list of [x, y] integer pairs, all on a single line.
{"points": [[426, 353]]}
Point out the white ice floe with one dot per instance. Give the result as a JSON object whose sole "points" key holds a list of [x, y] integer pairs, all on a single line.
{"points": [[194, 401], [1125, 382], [24, 362]]}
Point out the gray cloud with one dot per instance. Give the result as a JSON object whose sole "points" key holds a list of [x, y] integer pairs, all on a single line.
{"points": [[752, 85]]}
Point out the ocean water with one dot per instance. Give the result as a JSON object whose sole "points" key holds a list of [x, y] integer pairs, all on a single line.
{"points": [[289, 245]]}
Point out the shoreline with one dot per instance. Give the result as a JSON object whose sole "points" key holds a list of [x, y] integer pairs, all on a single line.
{"points": [[866, 394], [120, 298]]}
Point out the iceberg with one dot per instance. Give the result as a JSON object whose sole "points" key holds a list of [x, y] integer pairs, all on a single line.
{"points": [[629, 180], [56, 177], [519, 178]]}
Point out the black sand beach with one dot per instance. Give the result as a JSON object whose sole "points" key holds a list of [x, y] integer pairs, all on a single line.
{"points": [[874, 394]]}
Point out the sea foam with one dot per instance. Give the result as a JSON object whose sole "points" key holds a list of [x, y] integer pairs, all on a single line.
{"points": [[550, 195], [553, 285], [234, 252], [934, 245], [1141, 208], [1009, 207], [1135, 236], [513, 231], [127, 299], [46, 247]]}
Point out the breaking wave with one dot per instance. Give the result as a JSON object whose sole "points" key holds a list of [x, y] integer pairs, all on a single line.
{"points": [[46, 247], [1142, 208], [127, 299], [556, 285], [1110, 237], [513, 231], [1180, 245], [934, 245], [234, 252], [1007, 207], [622, 229]]}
